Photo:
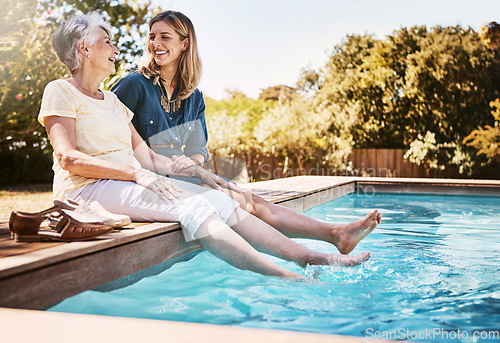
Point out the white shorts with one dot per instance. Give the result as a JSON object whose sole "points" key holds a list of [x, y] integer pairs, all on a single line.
{"points": [[191, 208]]}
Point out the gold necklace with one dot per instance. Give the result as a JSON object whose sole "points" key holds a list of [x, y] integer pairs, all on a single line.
{"points": [[168, 105]]}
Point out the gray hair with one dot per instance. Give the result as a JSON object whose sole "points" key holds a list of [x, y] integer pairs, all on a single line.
{"points": [[80, 27]]}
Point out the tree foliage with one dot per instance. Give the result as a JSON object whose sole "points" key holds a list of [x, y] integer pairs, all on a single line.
{"points": [[490, 35], [278, 93], [487, 139], [287, 129], [421, 89], [416, 83], [231, 123]]}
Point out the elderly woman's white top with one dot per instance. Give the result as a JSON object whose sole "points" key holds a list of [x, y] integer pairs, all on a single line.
{"points": [[101, 129]]}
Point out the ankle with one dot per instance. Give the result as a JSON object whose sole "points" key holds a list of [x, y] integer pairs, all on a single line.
{"points": [[334, 234], [316, 258]]}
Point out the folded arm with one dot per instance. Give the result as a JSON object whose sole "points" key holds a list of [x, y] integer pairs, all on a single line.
{"points": [[61, 132]]}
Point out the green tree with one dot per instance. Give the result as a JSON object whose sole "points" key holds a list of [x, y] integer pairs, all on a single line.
{"points": [[297, 135], [278, 93], [231, 123], [309, 81], [26, 65], [416, 83], [487, 140], [339, 92], [490, 35], [290, 132]]}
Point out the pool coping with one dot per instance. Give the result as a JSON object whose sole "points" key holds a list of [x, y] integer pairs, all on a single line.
{"points": [[53, 327], [68, 269]]}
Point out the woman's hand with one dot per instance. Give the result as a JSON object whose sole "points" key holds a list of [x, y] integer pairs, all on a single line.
{"points": [[181, 162], [215, 181], [157, 183]]}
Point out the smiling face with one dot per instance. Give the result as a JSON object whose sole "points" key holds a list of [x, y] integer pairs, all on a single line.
{"points": [[165, 45], [102, 55]]}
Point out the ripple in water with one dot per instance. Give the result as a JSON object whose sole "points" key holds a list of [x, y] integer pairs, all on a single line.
{"points": [[434, 268]]}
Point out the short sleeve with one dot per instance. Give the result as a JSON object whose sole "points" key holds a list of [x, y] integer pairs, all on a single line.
{"points": [[57, 101]]}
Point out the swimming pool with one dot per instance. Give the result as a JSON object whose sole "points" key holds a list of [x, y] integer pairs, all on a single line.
{"points": [[433, 276]]}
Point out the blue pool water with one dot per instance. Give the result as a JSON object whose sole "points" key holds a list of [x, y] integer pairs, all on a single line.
{"points": [[434, 276]]}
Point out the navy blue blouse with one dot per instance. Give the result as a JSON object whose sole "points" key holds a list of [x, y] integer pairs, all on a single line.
{"points": [[180, 132]]}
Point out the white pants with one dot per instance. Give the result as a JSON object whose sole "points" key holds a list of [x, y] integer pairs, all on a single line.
{"points": [[192, 207]]}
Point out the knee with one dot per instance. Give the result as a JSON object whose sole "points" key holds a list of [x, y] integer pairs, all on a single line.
{"points": [[247, 201], [258, 201], [258, 204]]}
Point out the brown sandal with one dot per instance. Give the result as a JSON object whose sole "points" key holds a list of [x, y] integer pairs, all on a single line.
{"points": [[26, 226], [35, 219]]}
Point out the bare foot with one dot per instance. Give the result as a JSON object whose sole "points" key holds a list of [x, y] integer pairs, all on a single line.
{"points": [[346, 236], [337, 259], [348, 261]]}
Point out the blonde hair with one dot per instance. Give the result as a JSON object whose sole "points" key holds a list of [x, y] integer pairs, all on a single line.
{"points": [[80, 27], [190, 63]]}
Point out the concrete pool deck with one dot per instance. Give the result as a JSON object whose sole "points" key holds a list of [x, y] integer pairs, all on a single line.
{"points": [[39, 275]]}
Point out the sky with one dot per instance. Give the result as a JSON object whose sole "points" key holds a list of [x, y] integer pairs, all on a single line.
{"points": [[251, 45]]}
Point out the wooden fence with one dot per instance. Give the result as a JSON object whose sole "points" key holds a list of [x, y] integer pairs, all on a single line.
{"points": [[391, 163], [383, 163], [363, 162]]}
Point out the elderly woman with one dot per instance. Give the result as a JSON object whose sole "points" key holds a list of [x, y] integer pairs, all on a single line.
{"points": [[99, 156], [169, 114]]}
